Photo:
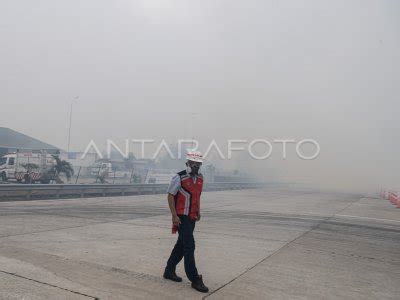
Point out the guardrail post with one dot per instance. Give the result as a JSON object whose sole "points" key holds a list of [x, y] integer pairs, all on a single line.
{"points": [[28, 195]]}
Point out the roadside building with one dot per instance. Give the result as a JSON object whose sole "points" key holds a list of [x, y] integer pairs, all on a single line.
{"points": [[12, 141]]}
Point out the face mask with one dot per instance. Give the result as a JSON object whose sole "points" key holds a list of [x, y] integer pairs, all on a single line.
{"points": [[193, 171]]}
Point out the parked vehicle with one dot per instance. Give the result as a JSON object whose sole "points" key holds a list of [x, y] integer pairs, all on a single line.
{"points": [[100, 167], [28, 167], [159, 176]]}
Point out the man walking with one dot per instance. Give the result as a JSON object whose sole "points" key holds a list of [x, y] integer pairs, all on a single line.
{"points": [[184, 202]]}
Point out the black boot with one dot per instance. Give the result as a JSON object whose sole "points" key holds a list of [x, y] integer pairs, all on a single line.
{"points": [[171, 275], [198, 284]]}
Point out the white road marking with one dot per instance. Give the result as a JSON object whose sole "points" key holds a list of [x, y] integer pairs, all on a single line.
{"points": [[376, 219]]}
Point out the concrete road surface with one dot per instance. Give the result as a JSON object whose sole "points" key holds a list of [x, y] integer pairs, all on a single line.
{"points": [[254, 244]]}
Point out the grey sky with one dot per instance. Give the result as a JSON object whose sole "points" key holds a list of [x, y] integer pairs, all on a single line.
{"points": [[328, 70]]}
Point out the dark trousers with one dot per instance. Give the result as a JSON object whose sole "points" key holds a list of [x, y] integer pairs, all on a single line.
{"points": [[184, 248]]}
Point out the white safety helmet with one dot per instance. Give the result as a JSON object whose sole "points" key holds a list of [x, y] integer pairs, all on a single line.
{"points": [[194, 156]]}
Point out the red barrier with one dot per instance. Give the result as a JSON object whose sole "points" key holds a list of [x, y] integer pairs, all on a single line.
{"points": [[396, 199], [393, 197], [390, 197]]}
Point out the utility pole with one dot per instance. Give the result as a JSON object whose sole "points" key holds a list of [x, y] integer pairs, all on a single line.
{"points": [[70, 122]]}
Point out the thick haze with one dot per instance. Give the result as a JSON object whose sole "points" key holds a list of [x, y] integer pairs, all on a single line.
{"points": [[327, 70]]}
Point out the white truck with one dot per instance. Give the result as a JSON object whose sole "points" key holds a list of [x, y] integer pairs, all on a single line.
{"points": [[101, 170], [100, 167], [28, 167], [159, 176]]}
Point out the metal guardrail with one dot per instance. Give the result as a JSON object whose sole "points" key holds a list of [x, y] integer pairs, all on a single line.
{"points": [[11, 192]]}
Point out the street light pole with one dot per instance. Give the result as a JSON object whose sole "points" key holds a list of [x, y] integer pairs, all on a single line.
{"points": [[192, 129], [70, 122]]}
